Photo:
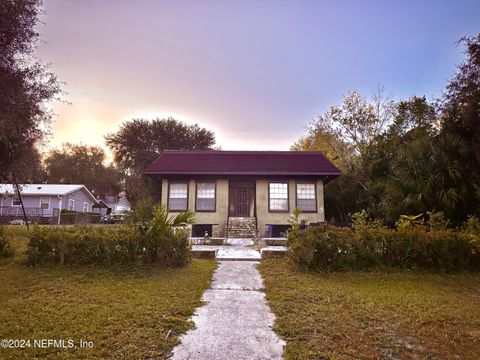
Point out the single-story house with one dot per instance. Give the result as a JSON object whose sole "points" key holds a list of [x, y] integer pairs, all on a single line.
{"points": [[102, 208], [243, 193], [117, 205], [45, 200]]}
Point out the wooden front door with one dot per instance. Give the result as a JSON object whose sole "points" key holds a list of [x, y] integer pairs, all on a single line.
{"points": [[242, 205], [241, 201]]}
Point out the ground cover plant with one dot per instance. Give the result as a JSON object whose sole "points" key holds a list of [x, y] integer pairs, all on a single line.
{"points": [[364, 315], [128, 311]]}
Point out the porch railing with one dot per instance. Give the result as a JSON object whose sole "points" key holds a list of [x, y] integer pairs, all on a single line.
{"points": [[17, 211]]}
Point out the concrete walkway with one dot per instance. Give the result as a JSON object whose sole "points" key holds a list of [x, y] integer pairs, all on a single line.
{"points": [[235, 323]]}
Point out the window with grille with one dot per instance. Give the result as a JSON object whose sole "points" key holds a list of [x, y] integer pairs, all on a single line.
{"points": [[44, 202], [278, 196], [71, 204], [205, 196], [85, 207], [306, 197], [178, 197]]}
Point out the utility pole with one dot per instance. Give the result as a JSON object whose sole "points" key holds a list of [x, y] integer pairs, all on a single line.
{"points": [[20, 198]]}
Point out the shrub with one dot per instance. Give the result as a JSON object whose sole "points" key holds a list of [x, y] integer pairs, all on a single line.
{"points": [[368, 244], [6, 249], [163, 239], [83, 245]]}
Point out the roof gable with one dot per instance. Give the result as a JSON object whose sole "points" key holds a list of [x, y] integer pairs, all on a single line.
{"points": [[212, 162]]}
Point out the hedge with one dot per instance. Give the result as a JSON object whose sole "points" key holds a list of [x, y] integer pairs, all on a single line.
{"points": [[328, 248], [163, 239]]}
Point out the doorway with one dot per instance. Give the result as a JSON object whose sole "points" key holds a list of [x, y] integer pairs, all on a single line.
{"points": [[241, 199]]}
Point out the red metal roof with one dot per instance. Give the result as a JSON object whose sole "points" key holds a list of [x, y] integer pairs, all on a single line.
{"points": [[212, 162]]}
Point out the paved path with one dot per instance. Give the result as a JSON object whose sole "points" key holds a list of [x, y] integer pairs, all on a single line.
{"points": [[231, 252], [235, 324]]}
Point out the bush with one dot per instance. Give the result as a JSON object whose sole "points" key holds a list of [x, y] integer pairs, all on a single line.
{"points": [[368, 244], [83, 245], [163, 239], [6, 249]]}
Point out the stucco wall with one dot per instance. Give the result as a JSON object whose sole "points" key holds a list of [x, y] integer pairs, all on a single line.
{"points": [[218, 217], [264, 217]]}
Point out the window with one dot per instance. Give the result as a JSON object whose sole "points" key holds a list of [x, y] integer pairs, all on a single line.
{"points": [[205, 196], [16, 201], [178, 197], [306, 197], [278, 197], [44, 202], [85, 207], [71, 204]]}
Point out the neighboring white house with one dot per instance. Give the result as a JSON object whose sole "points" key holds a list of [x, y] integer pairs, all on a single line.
{"points": [[122, 205], [45, 200]]}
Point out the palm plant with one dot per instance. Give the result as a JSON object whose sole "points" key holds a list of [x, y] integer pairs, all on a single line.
{"points": [[165, 236]]}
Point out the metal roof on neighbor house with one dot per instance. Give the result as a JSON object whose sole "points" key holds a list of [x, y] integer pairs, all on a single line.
{"points": [[270, 163], [43, 189]]}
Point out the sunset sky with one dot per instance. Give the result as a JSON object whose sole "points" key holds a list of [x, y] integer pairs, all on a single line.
{"points": [[255, 72]]}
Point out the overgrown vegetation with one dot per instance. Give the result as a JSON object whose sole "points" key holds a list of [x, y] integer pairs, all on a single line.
{"points": [[162, 239], [372, 315], [6, 249], [414, 244], [405, 157]]}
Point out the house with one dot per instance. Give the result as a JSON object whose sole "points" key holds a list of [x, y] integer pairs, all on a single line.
{"points": [[243, 193], [116, 205], [102, 208], [44, 200]]}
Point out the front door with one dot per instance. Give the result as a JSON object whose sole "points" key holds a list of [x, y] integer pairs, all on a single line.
{"points": [[241, 206], [241, 200]]}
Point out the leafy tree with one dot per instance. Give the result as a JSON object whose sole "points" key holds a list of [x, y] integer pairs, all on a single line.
{"points": [[347, 134], [460, 115], [140, 141], [82, 164], [26, 85]]}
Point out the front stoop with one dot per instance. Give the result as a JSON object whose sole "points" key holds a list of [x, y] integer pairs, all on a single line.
{"points": [[241, 227]]}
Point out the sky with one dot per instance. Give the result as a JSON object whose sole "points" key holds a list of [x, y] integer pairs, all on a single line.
{"points": [[255, 72]]}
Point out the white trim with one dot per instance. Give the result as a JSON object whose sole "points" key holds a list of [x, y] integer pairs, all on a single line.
{"points": [[85, 203], [40, 202], [71, 201]]}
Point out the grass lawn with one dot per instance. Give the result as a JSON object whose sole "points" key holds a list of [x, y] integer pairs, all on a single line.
{"points": [[355, 315], [134, 312]]}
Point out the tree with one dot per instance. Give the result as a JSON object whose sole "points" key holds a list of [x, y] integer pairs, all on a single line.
{"points": [[82, 164], [138, 142], [26, 85], [460, 115], [348, 134], [349, 130]]}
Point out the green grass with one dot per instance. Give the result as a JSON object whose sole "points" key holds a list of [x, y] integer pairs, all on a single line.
{"points": [[134, 312], [357, 315]]}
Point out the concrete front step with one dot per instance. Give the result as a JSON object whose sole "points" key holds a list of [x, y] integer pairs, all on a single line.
{"points": [[274, 241], [271, 252], [238, 253], [228, 252]]}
